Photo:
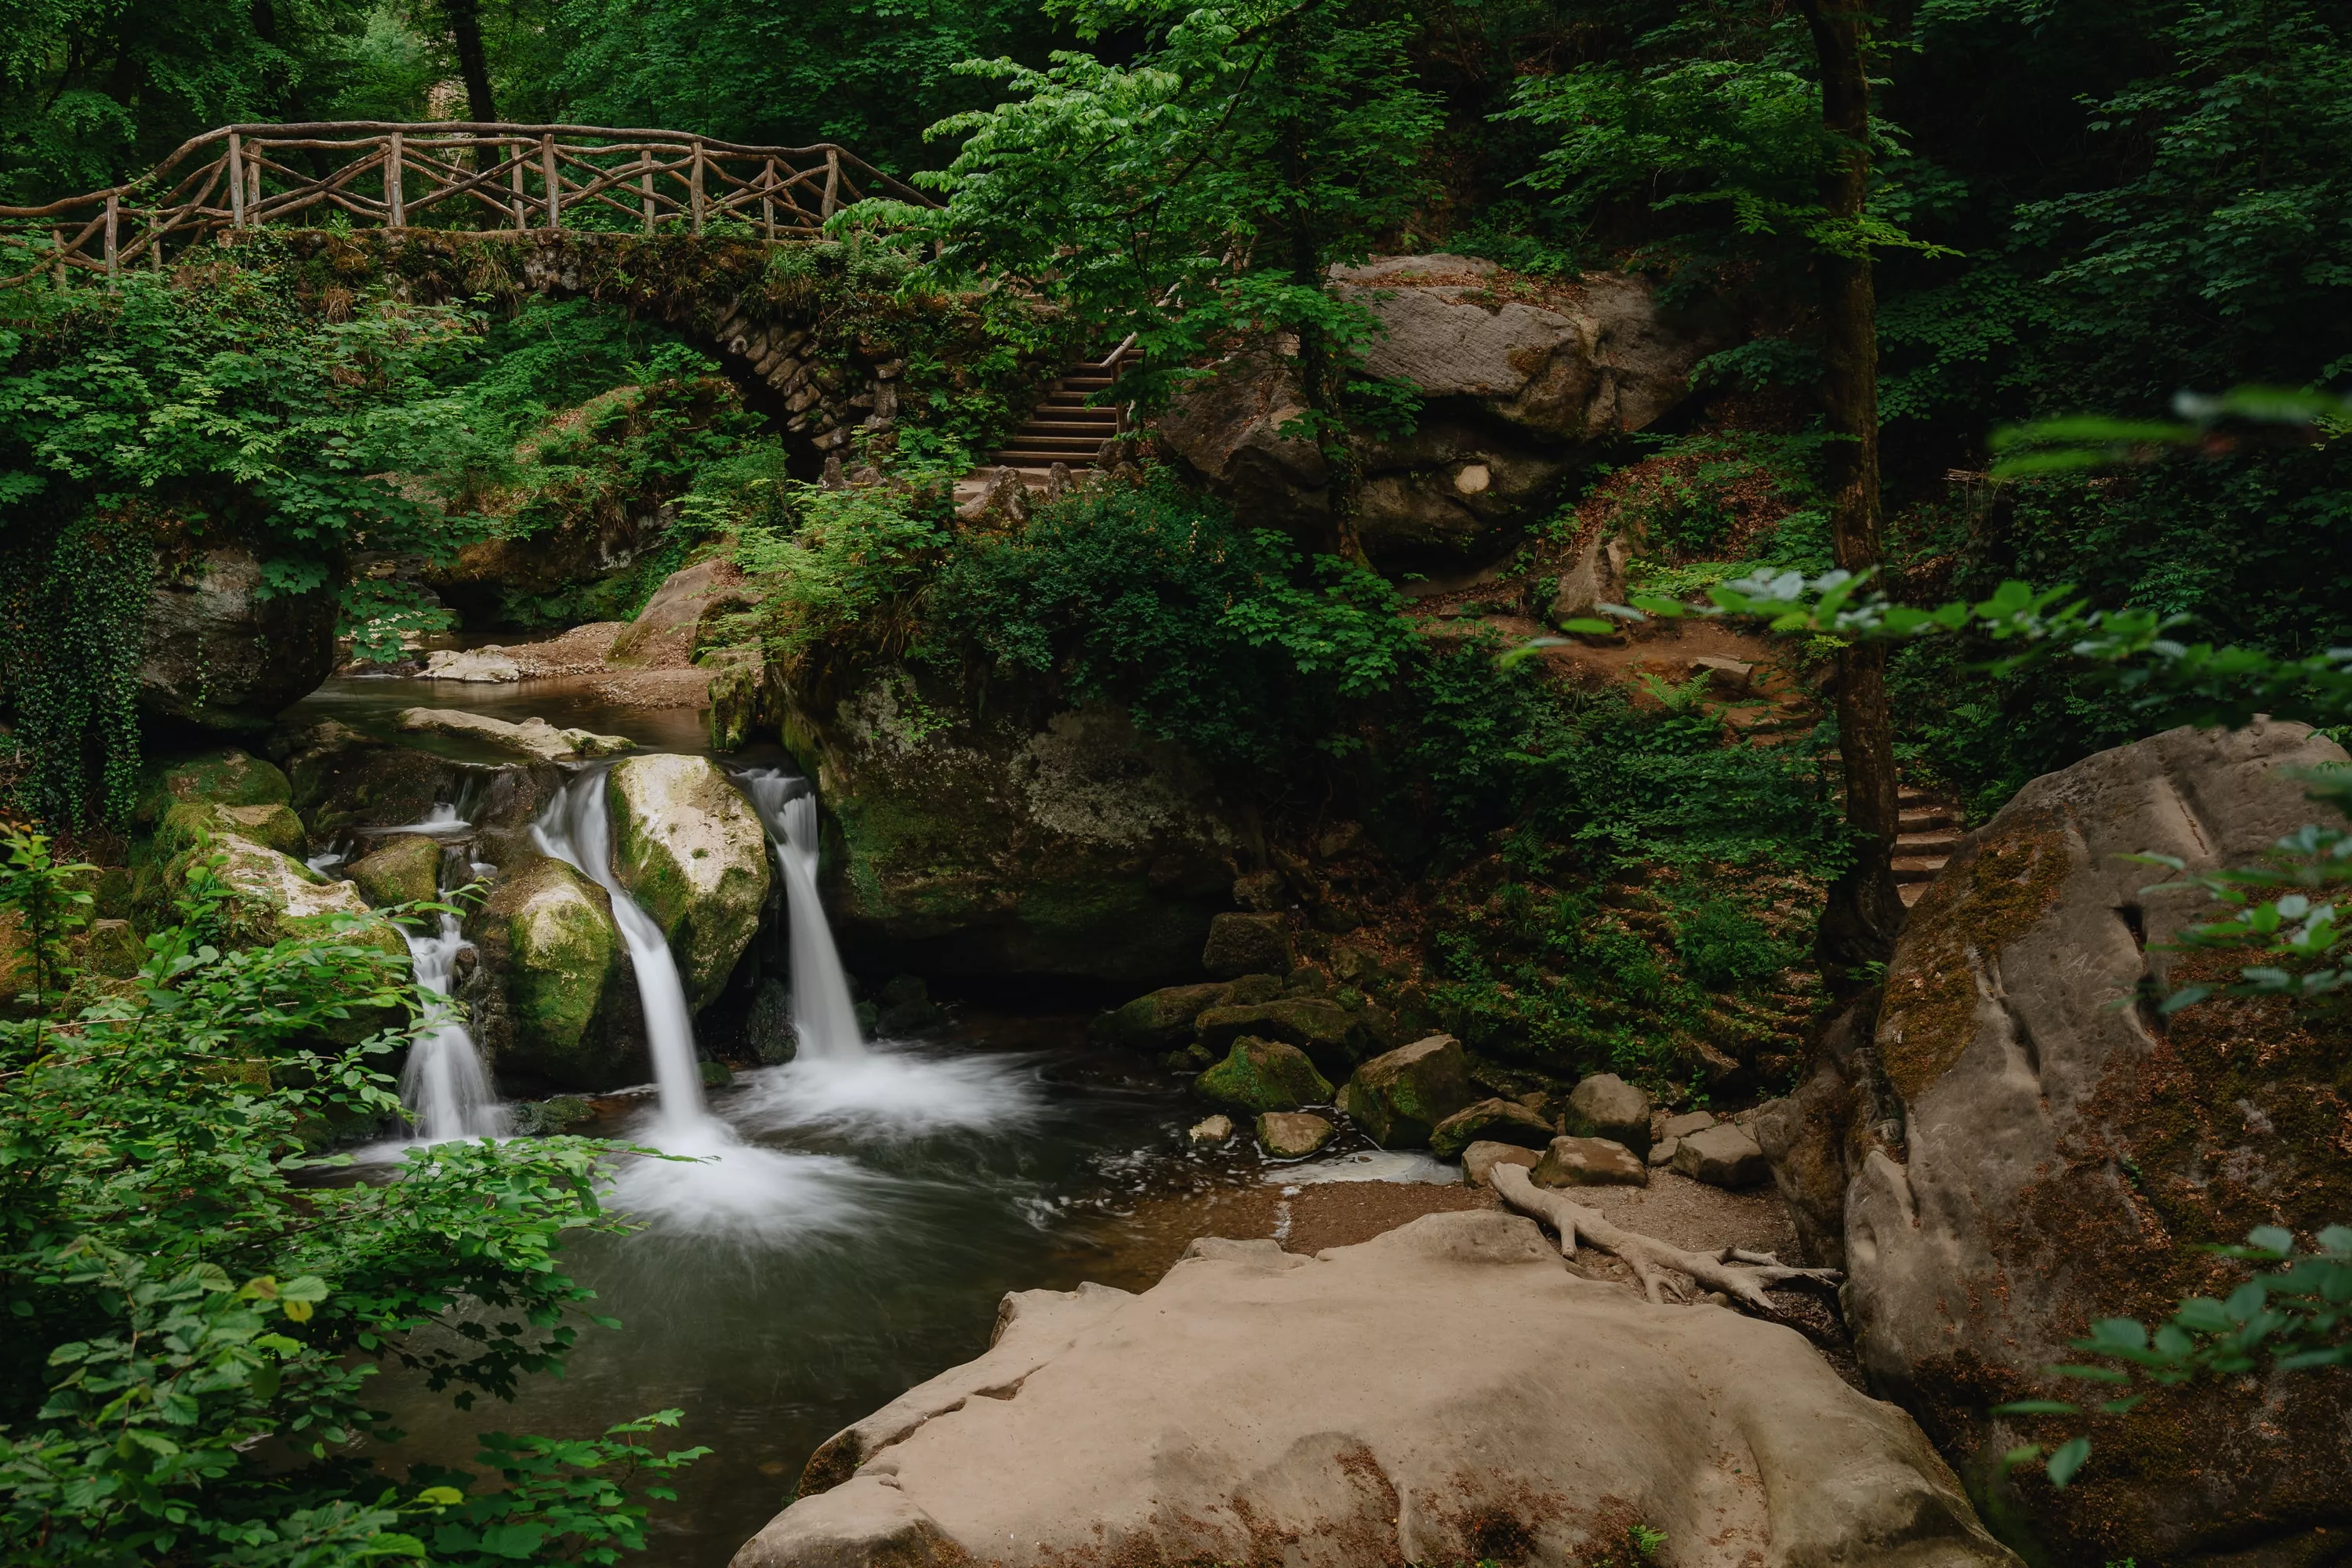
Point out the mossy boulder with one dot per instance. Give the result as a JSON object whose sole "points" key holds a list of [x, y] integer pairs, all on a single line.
{"points": [[1263, 1075], [402, 870], [690, 851], [1605, 1106], [270, 896], [1326, 1031], [1000, 832], [188, 824], [554, 994], [1400, 1097], [1241, 944], [1161, 1020], [1489, 1122], [225, 777]]}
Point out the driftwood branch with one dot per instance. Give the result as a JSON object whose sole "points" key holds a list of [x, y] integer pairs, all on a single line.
{"points": [[1743, 1276]]}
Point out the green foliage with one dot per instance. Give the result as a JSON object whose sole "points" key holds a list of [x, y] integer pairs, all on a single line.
{"points": [[1223, 637], [178, 1289], [73, 602], [825, 561]]}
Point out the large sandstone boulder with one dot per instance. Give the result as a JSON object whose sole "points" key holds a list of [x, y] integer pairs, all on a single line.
{"points": [[554, 995], [691, 852], [1011, 834], [1522, 381], [1446, 1393], [664, 631], [1401, 1097], [220, 656], [270, 896], [2026, 1148]]}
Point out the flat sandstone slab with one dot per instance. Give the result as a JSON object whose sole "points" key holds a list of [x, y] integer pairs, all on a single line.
{"points": [[1415, 1398]]}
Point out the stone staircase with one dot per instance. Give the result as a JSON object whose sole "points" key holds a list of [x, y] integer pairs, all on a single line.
{"points": [[1064, 428], [1929, 831]]}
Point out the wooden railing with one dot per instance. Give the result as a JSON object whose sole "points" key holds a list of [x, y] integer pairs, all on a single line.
{"points": [[439, 174]]}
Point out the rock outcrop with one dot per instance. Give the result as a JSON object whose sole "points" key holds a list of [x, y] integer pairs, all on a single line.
{"points": [[1009, 835], [220, 656], [1521, 381], [554, 997], [690, 851], [2025, 1149], [1446, 1393]]}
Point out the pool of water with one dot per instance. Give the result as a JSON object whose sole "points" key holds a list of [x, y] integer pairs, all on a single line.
{"points": [[851, 1237]]}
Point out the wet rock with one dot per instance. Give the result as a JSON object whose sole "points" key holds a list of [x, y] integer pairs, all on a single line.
{"points": [[531, 738], [768, 1027], [219, 656], [1293, 1134], [1159, 1021], [1210, 1131], [271, 897], [690, 851], [1263, 1075], [906, 1007], [1008, 835], [715, 1074], [1243, 944], [556, 997], [1324, 1030], [190, 823], [1338, 1404], [740, 698], [401, 870], [1589, 1162], [1492, 1122], [1479, 1160], [1400, 1097], [545, 1118], [344, 782], [1606, 1106], [1723, 1155]]}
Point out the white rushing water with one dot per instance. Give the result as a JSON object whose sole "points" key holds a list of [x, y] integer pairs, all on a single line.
{"points": [[445, 1082], [823, 1015], [577, 830]]}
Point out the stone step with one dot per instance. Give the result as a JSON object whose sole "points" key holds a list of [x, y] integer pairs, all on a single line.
{"points": [[1912, 818], [1927, 843], [1062, 446], [1919, 867], [1911, 892]]}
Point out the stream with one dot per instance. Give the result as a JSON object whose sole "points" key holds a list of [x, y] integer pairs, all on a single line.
{"points": [[832, 1231]]}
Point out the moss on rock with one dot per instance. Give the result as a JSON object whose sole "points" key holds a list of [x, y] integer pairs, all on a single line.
{"points": [[1400, 1097], [1326, 1031], [225, 777], [558, 999], [1265, 1075], [691, 852], [187, 825], [403, 871], [1160, 1021]]}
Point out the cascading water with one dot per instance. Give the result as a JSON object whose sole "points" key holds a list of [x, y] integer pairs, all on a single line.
{"points": [[823, 1015], [577, 830], [445, 1082]]}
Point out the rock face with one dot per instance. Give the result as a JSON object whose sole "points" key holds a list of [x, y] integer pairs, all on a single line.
{"points": [[690, 851], [2024, 1151], [1445, 1393], [1521, 381], [1013, 836], [1399, 1097], [554, 995], [1263, 1075], [1606, 1106], [219, 657], [1324, 1030], [664, 632]]}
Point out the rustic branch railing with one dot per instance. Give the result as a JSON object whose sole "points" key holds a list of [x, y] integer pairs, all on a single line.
{"points": [[446, 175]]}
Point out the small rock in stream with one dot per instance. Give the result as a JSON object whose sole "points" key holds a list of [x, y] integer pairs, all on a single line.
{"points": [[1293, 1134], [1210, 1131]]}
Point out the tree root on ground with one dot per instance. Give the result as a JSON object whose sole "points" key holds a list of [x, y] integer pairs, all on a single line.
{"points": [[1744, 1276]]}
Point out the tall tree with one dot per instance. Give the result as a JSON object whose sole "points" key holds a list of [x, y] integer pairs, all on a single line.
{"points": [[1865, 910], [465, 18]]}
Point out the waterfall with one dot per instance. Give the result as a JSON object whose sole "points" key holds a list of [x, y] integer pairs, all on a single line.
{"points": [[445, 1083], [576, 829], [822, 1016]]}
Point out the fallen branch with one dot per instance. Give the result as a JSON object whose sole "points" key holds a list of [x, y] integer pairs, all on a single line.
{"points": [[1741, 1275]]}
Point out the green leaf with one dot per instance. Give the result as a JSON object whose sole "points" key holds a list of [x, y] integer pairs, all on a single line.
{"points": [[2067, 1460]]}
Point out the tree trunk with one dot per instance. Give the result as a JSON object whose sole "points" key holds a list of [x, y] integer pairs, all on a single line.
{"points": [[1865, 910], [473, 64]]}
